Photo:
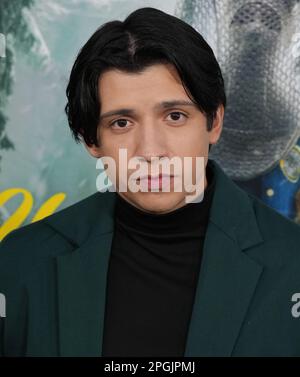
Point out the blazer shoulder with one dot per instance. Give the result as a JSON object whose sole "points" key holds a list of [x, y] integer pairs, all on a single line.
{"points": [[281, 235], [273, 223], [92, 215], [54, 233], [38, 238], [25, 236]]}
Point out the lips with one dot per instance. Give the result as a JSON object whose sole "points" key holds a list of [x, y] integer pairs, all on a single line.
{"points": [[156, 177], [157, 182]]}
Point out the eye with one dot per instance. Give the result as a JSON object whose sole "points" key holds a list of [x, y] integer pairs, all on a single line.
{"points": [[120, 123], [177, 116]]}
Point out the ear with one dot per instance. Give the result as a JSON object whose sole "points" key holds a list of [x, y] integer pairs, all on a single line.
{"points": [[93, 150], [215, 132]]}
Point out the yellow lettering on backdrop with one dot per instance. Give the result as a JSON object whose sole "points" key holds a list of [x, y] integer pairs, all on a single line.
{"points": [[23, 211], [49, 206]]}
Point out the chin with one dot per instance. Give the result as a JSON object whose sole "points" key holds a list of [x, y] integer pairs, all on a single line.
{"points": [[158, 202]]}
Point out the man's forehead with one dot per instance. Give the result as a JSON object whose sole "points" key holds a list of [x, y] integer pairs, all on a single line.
{"points": [[163, 68]]}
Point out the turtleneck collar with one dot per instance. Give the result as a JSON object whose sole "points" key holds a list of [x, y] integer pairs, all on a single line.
{"points": [[190, 217]]}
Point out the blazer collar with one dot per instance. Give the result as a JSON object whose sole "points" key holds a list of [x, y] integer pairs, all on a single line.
{"points": [[226, 283]]}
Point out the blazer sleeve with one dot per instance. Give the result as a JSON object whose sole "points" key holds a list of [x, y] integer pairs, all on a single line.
{"points": [[11, 287], [2, 289], [4, 284], [1, 336]]}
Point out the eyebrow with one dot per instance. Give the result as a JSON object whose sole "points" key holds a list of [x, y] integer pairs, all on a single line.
{"points": [[158, 106]]}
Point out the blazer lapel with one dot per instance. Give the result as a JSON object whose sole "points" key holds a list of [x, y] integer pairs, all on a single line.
{"points": [[228, 276], [82, 273], [226, 284], [81, 297]]}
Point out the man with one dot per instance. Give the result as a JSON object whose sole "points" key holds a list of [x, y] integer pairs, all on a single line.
{"points": [[149, 273]]}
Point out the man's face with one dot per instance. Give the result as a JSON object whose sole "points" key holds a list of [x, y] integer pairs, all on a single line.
{"points": [[153, 130]]}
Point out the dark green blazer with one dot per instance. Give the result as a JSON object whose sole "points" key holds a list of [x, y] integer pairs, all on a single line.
{"points": [[53, 274]]}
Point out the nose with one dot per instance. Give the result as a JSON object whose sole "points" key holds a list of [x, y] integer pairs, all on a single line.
{"points": [[151, 142]]}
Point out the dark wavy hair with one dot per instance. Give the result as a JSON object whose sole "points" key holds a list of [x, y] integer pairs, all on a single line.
{"points": [[146, 37]]}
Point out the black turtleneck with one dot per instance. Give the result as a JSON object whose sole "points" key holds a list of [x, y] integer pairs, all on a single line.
{"points": [[152, 276]]}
